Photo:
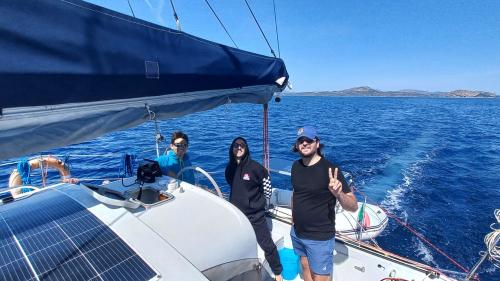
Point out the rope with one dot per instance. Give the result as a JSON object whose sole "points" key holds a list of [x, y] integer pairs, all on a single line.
{"points": [[262, 32], [491, 240], [67, 162], [127, 164], [158, 136], [276, 26], [227, 32], [420, 236], [24, 169], [44, 171], [98, 179]]}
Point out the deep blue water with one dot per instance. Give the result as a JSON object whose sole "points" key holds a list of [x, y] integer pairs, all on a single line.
{"points": [[432, 162]]}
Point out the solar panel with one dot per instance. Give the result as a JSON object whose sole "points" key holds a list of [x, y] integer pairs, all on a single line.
{"points": [[12, 264], [49, 236]]}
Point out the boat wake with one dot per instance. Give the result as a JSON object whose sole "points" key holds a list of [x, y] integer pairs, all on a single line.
{"points": [[393, 200], [402, 177], [423, 251]]}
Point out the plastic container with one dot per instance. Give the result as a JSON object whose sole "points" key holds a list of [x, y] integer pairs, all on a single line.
{"points": [[290, 262], [173, 184]]}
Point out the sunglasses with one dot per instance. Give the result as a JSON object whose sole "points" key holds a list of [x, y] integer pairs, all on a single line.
{"points": [[180, 145], [307, 140], [239, 145]]}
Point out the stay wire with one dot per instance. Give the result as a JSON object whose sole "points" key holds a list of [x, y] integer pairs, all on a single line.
{"points": [[130, 6], [276, 26], [177, 21], [224, 27], [258, 25]]}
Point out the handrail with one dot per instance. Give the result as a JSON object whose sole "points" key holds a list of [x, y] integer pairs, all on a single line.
{"points": [[206, 174]]}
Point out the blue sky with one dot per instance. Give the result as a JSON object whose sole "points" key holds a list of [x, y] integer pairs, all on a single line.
{"points": [[434, 45]]}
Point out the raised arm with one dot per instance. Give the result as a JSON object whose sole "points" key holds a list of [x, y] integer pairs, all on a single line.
{"points": [[347, 200]]}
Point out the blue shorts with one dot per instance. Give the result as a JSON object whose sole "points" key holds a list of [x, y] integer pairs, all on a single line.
{"points": [[319, 253]]}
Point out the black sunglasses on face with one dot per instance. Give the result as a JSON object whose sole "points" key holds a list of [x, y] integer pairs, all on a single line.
{"points": [[180, 145], [239, 145], [304, 139]]}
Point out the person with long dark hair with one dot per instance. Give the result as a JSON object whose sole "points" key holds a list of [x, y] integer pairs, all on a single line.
{"points": [[250, 186], [317, 186]]}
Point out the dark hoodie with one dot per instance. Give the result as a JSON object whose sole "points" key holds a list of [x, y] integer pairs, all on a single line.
{"points": [[249, 182]]}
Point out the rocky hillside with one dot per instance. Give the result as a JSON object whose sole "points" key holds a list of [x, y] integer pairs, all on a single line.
{"points": [[471, 94], [369, 92]]}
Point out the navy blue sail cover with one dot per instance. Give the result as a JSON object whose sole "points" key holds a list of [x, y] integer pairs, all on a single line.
{"points": [[54, 52], [76, 71]]}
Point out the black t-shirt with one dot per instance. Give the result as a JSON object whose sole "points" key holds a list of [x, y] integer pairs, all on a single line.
{"points": [[313, 204]]}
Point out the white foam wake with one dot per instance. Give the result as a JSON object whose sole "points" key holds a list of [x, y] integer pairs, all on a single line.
{"points": [[423, 251], [394, 197]]}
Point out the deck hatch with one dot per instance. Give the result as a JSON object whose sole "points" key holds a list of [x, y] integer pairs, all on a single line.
{"points": [[52, 237]]}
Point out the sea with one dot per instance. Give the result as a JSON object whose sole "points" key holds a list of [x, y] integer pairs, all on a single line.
{"points": [[433, 163]]}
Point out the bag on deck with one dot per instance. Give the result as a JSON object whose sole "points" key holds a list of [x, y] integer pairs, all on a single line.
{"points": [[148, 171]]}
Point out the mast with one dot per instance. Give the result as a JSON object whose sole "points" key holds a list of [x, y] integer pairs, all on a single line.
{"points": [[265, 136]]}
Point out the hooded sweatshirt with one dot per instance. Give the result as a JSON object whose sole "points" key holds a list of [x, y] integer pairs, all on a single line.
{"points": [[250, 184]]}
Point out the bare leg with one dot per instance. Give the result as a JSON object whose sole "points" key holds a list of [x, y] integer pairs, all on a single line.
{"points": [[309, 275], [306, 271], [321, 277]]}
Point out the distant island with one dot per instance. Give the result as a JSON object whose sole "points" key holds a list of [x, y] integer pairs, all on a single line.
{"points": [[369, 92]]}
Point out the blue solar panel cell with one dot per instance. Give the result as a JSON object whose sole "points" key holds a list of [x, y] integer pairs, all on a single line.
{"points": [[92, 239], [52, 257], [102, 261], [16, 271], [51, 237], [9, 251], [128, 270], [58, 239], [76, 268], [13, 266], [86, 222]]}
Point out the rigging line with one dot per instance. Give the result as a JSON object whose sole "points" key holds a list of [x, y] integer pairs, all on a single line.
{"points": [[158, 136], [262, 32], [177, 21], [130, 6], [206, 1], [415, 232], [276, 26]]}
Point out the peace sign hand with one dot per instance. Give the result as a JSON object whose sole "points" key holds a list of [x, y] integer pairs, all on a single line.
{"points": [[335, 186]]}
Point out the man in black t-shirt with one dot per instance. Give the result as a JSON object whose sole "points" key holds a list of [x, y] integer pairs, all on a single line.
{"points": [[317, 185]]}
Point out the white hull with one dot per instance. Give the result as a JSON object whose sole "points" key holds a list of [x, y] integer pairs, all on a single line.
{"points": [[355, 260], [346, 223], [196, 235]]}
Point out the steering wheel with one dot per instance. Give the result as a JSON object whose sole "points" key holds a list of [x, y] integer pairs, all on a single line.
{"points": [[207, 175]]}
